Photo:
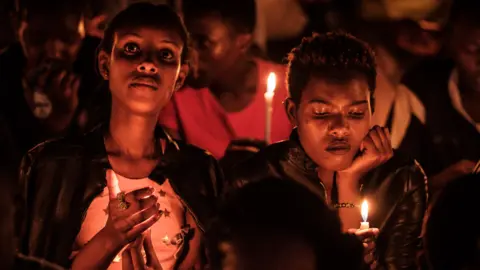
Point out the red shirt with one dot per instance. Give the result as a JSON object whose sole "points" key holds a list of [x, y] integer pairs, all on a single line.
{"points": [[205, 124]]}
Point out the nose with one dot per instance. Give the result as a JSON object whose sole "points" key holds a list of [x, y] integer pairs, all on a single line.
{"points": [[339, 127], [148, 68]]}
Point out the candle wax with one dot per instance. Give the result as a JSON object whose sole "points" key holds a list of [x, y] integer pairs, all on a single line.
{"points": [[364, 225], [268, 116]]}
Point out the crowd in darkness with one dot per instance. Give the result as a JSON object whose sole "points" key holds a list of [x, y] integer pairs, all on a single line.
{"points": [[138, 135]]}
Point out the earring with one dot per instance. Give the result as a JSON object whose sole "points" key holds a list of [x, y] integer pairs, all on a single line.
{"points": [[105, 75]]}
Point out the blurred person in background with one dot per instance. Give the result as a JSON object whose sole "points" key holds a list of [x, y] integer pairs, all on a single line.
{"points": [[48, 75], [7, 35], [402, 34], [224, 98], [9, 155], [7, 231], [454, 210], [99, 12], [281, 225], [449, 89]]}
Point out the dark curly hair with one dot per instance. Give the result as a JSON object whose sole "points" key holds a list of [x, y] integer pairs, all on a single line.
{"points": [[333, 56], [145, 14]]}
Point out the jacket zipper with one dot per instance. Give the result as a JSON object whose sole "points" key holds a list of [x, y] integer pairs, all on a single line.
{"points": [[187, 206], [324, 191]]}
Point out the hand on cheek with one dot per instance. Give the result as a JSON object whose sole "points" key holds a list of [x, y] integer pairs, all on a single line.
{"points": [[375, 150]]}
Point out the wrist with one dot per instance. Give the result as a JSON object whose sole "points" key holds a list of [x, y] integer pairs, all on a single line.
{"points": [[109, 241], [347, 181]]}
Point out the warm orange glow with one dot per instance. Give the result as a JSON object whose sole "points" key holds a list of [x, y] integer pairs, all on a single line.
{"points": [[271, 84], [364, 211]]}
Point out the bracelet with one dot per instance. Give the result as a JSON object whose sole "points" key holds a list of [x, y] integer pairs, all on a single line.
{"points": [[344, 205]]}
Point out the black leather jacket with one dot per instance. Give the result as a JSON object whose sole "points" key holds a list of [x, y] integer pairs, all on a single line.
{"points": [[60, 178], [399, 189]]}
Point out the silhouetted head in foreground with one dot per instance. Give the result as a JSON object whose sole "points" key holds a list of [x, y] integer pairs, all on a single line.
{"points": [[276, 224]]}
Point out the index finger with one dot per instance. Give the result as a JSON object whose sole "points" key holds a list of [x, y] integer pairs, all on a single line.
{"points": [[112, 184], [139, 194], [367, 233], [368, 144], [151, 256]]}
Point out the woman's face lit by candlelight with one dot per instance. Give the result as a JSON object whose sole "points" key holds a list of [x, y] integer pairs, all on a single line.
{"points": [[144, 68]]}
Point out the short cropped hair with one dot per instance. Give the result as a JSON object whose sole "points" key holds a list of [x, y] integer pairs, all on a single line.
{"points": [[240, 14], [335, 56], [147, 15]]}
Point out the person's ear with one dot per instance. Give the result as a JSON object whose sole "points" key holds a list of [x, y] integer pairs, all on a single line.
{"points": [[81, 26], [18, 23], [291, 109], [182, 75], [16, 18], [103, 60], [244, 42]]}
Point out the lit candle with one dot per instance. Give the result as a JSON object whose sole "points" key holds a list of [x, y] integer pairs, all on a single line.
{"points": [[364, 211], [271, 84]]}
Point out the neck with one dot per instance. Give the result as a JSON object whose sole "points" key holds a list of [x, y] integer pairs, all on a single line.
{"points": [[132, 135], [237, 79], [326, 176]]}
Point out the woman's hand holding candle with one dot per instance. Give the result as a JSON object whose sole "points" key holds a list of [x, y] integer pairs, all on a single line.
{"points": [[367, 237]]}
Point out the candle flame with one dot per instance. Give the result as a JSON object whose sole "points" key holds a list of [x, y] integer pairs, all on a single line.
{"points": [[364, 211], [271, 82]]}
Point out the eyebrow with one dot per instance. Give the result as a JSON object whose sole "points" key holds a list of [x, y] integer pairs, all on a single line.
{"points": [[354, 103], [138, 36]]}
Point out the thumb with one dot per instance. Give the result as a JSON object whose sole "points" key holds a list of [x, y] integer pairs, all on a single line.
{"points": [[151, 256], [112, 184], [352, 231]]}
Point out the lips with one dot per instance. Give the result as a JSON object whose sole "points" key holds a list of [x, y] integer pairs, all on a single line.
{"points": [[145, 82], [338, 148]]}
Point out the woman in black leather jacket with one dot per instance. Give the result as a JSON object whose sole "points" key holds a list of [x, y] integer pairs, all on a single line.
{"points": [[126, 179], [335, 153]]}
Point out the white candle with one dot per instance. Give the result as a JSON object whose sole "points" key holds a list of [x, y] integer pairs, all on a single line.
{"points": [[269, 94], [364, 211]]}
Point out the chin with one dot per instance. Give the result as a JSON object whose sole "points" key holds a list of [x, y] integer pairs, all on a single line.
{"points": [[337, 163], [143, 108]]}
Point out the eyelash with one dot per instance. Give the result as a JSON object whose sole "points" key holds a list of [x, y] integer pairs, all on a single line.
{"points": [[165, 54], [354, 115], [170, 54], [125, 48]]}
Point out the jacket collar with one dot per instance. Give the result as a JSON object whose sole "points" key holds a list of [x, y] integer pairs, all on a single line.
{"points": [[298, 157], [95, 146]]}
